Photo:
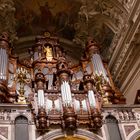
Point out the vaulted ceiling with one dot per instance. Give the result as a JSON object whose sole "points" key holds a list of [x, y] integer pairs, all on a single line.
{"points": [[72, 20], [112, 23]]}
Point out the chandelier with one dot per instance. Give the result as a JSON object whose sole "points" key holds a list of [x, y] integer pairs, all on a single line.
{"points": [[59, 95]]}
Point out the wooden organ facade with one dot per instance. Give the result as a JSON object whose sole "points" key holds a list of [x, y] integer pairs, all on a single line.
{"points": [[55, 95]]}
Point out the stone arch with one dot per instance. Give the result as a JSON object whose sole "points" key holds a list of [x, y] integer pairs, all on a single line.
{"points": [[80, 133], [113, 128], [2, 138], [21, 116], [112, 114], [138, 138], [21, 128], [24, 115], [134, 135], [111, 117]]}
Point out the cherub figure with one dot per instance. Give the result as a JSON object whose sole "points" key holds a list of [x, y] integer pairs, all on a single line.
{"points": [[48, 52]]}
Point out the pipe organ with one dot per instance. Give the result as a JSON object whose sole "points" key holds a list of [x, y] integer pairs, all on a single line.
{"points": [[4, 48], [63, 95]]}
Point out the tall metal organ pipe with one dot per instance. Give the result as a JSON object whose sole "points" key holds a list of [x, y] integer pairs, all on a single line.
{"points": [[91, 98], [4, 54], [63, 73], [66, 93], [88, 82], [40, 80], [96, 60]]}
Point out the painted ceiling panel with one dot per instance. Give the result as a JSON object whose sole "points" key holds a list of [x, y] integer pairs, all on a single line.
{"points": [[71, 20], [35, 17]]}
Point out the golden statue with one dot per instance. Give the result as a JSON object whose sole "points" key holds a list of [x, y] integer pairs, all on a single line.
{"points": [[48, 52]]}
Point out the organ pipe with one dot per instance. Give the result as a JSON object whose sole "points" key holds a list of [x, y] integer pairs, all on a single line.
{"points": [[40, 80], [3, 58], [89, 83], [57, 88], [41, 100], [93, 51], [66, 93], [98, 66], [4, 51], [91, 98]]}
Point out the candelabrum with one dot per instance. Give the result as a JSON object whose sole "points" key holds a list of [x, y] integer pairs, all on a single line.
{"points": [[22, 78], [103, 87]]}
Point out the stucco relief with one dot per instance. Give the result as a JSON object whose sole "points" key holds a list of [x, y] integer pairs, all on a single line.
{"points": [[128, 129], [125, 58], [127, 3], [94, 19], [7, 19], [119, 60], [4, 131], [5, 116]]}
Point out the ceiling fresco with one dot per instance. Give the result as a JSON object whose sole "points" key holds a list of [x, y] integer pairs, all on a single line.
{"points": [[71, 20], [37, 16]]}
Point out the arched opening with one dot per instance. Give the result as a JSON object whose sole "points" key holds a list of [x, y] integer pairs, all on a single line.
{"points": [[21, 128], [2, 138], [134, 136], [113, 129], [69, 138], [80, 134]]}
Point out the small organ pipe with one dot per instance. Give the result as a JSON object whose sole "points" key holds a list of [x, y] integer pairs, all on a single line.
{"points": [[5, 65], [0, 63], [91, 97], [41, 100], [69, 93], [100, 65], [103, 69], [40, 80], [66, 93], [94, 64], [62, 92]]}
